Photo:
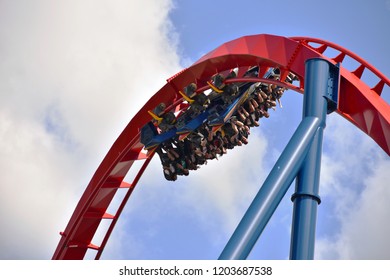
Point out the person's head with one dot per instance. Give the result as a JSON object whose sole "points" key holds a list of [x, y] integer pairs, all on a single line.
{"points": [[159, 110], [218, 80], [190, 90]]}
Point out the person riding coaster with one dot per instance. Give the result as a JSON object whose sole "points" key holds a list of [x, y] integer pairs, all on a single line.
{"points": [[164, 120], [198, 104], [203, 141]]}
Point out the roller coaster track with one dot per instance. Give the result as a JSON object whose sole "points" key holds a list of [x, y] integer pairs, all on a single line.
{"points": [[359, 103]]}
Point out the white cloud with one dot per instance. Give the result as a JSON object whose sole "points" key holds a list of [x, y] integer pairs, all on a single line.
{"points": [[355, 191], [227, 186], [72, 75]]}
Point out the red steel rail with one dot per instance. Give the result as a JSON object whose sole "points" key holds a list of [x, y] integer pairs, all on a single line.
{"points": [[358, 103]]}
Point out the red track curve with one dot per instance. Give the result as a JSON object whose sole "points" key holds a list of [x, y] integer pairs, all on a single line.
{"points": [[359, 103]]}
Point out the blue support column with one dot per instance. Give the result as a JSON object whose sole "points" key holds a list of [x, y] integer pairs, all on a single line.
{"points": [[272, 192], [320, 97], [305, 144]]}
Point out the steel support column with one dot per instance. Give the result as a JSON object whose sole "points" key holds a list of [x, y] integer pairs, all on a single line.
{"points": [[321, 87], [271, 193], [308, 136]]}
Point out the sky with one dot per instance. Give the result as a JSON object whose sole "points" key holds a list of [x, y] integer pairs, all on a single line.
{"points": [[73, 74]]}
